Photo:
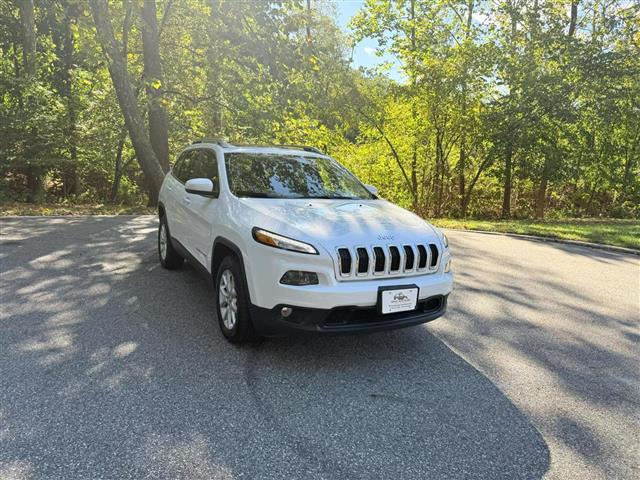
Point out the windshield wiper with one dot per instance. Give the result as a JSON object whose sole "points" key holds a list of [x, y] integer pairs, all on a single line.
{"points": [[335, 197], [246, 193]]}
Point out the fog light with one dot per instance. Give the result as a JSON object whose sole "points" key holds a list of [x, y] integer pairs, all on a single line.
{"points": [[447, 267], [286, 311], [297, 277]]}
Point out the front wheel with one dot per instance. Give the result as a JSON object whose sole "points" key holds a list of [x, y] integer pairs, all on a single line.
{"points": [[232, 303]]}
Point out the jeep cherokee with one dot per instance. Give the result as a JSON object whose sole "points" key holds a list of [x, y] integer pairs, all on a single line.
{"points": [[295, 242]]}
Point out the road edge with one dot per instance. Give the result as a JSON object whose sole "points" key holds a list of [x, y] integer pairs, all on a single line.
{"points": [[578, 243]]}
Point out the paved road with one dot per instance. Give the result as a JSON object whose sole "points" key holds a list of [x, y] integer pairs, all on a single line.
{"points": [[112, 368]]}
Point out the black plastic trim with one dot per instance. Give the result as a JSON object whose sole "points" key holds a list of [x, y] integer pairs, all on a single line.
{"points": [[182, 250], [202, 194], [304, 320], [233, 247]]}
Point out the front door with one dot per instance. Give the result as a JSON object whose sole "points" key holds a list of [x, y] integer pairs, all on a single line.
{"points": [[201, 210]]}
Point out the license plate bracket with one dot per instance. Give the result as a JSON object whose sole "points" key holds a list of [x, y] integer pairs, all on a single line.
{"points": [[397, 298]]}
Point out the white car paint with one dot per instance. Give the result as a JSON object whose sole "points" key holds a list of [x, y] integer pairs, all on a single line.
{"points": [[196, 221]]}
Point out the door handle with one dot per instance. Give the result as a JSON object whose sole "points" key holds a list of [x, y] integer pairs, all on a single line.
{"points": [[186, 201]]}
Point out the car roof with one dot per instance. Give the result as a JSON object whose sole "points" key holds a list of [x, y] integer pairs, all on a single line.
{"points": [[301, 150]]}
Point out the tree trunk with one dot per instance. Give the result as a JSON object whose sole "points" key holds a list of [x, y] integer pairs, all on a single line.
{"points": [[29, 50], [414, 110], [462, 160], [117, 173], [34, 184], [64, 40], [414, 176], [214, 127], [27, 18], [134, 122], [440, 172], [158, 129], [506, 199], [541, 194], [467, 198], [574, 18], [308, 22]]}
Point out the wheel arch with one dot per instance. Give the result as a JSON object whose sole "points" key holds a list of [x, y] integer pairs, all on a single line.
{"points": [[221, 248]]}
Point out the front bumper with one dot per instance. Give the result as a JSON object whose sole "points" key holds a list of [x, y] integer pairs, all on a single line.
{"points": [[265, 266], [341, 320]]}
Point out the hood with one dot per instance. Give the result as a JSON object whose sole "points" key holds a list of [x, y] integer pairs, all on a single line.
{"points": [[337, 222]]}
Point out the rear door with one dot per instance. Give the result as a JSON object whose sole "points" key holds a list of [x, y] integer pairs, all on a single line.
{"points": [[175, 193], [200, 211], [178, 218]]}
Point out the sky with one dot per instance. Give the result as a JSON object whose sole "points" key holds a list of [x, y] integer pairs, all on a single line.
{"points": [[364, 52]]}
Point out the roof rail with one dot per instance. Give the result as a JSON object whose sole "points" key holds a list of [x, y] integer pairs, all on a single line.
{"points": [[217, 141], [306, 148], [225, 144]]}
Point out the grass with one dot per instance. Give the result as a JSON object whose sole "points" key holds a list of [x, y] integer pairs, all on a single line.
{"points": [[48, 209], [622, 233]]}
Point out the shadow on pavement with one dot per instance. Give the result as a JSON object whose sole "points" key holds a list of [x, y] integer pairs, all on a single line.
{"points": [[114, 368]]}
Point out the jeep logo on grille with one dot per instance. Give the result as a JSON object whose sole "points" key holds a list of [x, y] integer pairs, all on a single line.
{"points": [[385, 236]]}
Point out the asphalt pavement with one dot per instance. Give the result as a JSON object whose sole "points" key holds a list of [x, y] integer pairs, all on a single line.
{"points": [[111, 367]]}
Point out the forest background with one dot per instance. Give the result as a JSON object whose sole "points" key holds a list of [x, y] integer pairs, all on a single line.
{"points": [[498, 109]]}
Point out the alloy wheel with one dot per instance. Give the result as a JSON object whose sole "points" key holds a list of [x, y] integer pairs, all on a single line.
{"points": [[228, 299], [162, 241]]}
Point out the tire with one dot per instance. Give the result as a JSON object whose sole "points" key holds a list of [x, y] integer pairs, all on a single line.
{"points": [[169, 257], [232, 303]]}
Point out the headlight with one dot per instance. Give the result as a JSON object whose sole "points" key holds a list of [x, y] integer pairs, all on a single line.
{"points": [[445, 240], [278, 241]]}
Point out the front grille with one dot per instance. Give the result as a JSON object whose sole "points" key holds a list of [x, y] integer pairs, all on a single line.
{"points": [[377, 260], [422, 256], [434, 255], [395, 258], [363, 260], [345, 261], [409, 256], [379, 256]]}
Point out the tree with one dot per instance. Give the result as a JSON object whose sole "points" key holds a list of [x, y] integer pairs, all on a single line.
{"points": [[29, 45], [145, 154], [153, 79]]}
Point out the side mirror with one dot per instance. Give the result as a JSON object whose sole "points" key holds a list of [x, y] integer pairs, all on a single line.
{"points": [[201, 186], [372, 190]]}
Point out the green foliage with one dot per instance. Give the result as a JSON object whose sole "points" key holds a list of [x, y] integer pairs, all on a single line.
{"points": [[488, 88]]}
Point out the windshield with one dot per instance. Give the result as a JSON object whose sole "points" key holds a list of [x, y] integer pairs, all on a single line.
{"points": [[290, 176]]}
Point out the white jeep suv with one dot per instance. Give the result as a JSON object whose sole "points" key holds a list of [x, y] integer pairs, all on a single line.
{"points": [[294, 242]]}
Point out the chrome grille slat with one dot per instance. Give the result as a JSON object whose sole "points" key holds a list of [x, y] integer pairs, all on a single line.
{"points": [[433, 260], [407, 267], [360, 262], [362, 251], [395, 261], [379, 253]]}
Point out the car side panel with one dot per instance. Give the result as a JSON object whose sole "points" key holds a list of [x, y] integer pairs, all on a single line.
{"points": [[180, 224], [200, 212]]}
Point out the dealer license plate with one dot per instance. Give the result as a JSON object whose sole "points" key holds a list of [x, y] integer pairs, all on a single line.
{"points": [[398, 300]]}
